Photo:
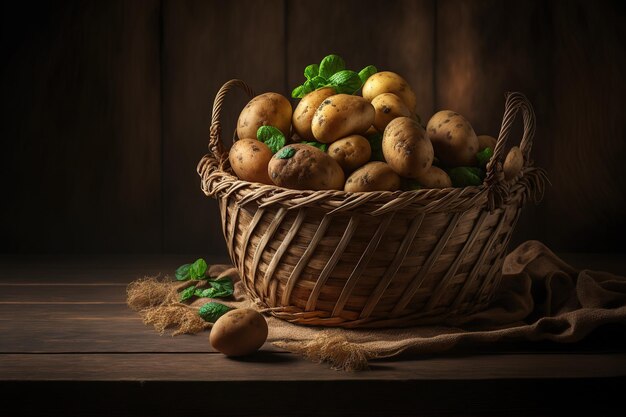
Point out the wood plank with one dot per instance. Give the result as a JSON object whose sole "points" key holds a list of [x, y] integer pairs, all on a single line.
{"points": [[81, 127], [394, 36], [205, 44]]}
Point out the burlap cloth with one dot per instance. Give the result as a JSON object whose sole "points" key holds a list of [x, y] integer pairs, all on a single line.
{"points": [[541, 298]]}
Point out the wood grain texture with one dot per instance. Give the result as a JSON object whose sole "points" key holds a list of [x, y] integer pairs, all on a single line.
{"points": [[81, 127], [205, 44], [567, 57]]}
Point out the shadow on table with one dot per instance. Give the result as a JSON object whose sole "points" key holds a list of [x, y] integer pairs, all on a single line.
{"points": [[266, 356]]}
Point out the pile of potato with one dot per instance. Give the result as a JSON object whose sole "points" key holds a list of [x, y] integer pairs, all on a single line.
{"points": [[373, 142]]}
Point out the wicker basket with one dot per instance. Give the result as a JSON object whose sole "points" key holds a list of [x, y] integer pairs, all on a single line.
{"points": [[373, 259]]}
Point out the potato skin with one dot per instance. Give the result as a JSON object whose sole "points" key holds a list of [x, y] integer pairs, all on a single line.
{"points": [[308, 169], [268, 109], [388, 106], [239, 332], [374, 176], [303, 114], [486, 141], [341, 115], [390, 82], [435, 177], [453, 139], [513, 163], [406, 149], [249, 159], [350, 152]]}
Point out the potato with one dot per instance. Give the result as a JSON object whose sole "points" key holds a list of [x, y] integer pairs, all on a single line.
{"points": [[305, 167], [249, 159], [239, 332], [390, 82], [269, 109], [350, 152], [453, 139], [406, 149], [434, 178], [513, 163], [341, 115], [303, 114], [388, 106], [486, 141], [374, 176]]}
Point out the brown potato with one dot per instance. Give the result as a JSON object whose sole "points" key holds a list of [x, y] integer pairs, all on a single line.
{"points": [[388, 106], [513, 163], [303, 114], [305, 167], [453, 139], [390, 82], [374, 176], [486, 141], [434, 178], [249, 159], [406, 149], [350, 152], [239, 332], [341, 115], [269, 109]]}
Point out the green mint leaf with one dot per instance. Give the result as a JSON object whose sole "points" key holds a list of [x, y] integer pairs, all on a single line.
{"points": [[218, 289], [331, 65], [466, 176], [272, 137], [311, 71], [319, 82], [346, 82], [198, 269], [376, 143], [212, 311], [321, 146], [187, 293], [286, 153], [367, 72], [484, 156], [182, 273], [298, 92]]}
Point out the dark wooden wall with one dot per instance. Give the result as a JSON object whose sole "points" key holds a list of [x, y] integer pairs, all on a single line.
{"points": [[105, 105]]}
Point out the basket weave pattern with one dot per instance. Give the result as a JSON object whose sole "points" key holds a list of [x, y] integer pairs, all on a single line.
{"points": [[371, 259]]}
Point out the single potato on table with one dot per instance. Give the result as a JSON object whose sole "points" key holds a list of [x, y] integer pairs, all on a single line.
{"points": [[406, 149], [388, 106], [341, 115], [249, 159], [268, 109], [239, 332], [303, 114], [390, 82], [305, 167], [453, 139], [374, 176], [350, 152]]}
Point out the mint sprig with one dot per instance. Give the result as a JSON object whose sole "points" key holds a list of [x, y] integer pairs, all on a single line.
{"points": [[318, 145], [212, 311], [272, 137], [466, 176], [484, 156]]}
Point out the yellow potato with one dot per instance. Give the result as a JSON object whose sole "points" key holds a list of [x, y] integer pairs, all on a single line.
{"points": [[453, 139], [269, 109], [486, 141], [434, 178], [341, 115], [249, 159], [239, 332], [350, 152], [303, 114], [406, 149], [513, 163], [374, 176], [305, 167], [388, 106], [390, 82]]}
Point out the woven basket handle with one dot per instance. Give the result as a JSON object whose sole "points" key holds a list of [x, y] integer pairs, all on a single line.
{"points": [[497, 185], [215, 137]]}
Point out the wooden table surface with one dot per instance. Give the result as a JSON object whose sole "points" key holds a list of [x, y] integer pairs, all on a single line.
{"points": [[69, 345]]}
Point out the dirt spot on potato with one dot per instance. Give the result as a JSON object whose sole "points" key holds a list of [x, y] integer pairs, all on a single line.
{"points": [[449, 136], [386, 109], [255, 148]]}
